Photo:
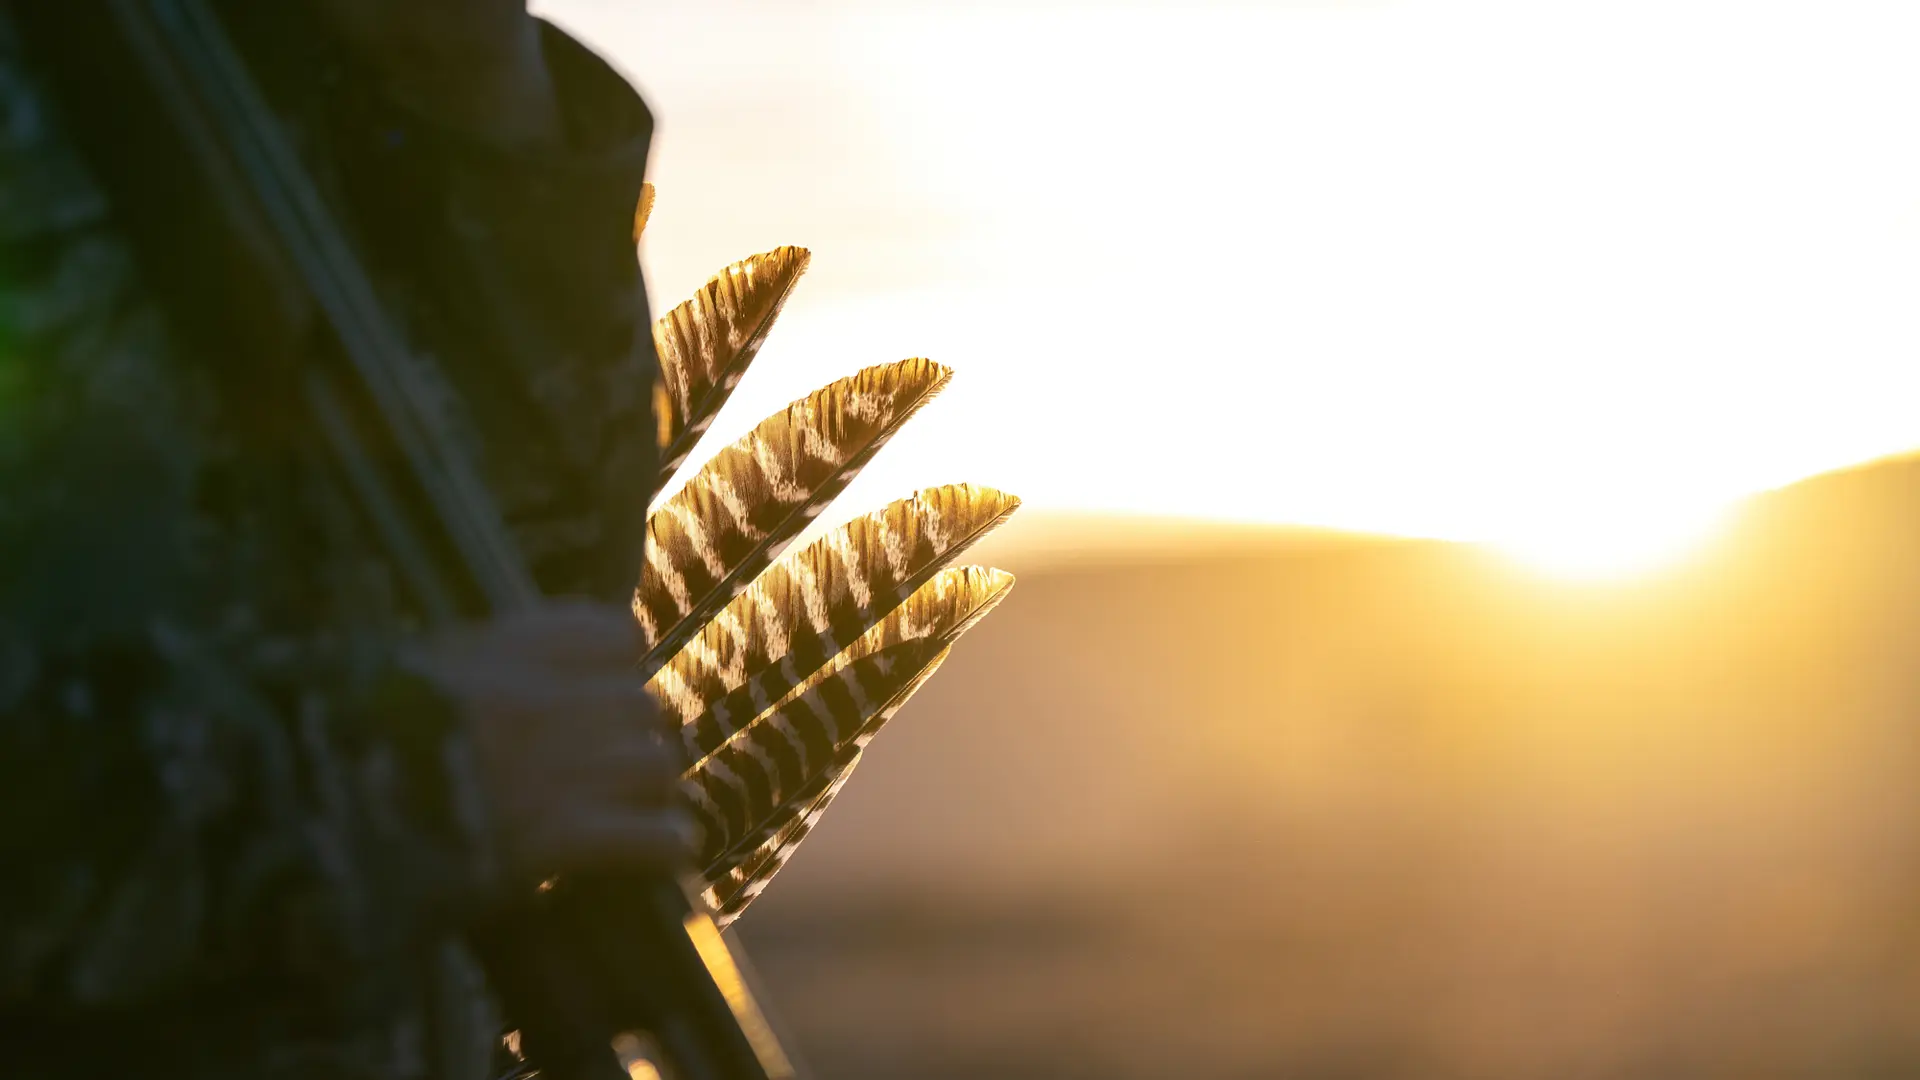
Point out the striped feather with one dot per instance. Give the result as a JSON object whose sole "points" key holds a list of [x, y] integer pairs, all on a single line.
{"points": [[733, 889], [953, 600], [743, 875], [706, 344], [711, 538], [734, 793], [815, 602], [738, 785]]}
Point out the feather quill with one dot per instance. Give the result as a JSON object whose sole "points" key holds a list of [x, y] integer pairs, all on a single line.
{"points": [[713, 537], [815, 602], [707, 342]]}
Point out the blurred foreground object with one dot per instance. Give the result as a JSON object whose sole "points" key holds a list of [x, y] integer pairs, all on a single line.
{"points": [[197, 160], [615, 946], [287, 309]]}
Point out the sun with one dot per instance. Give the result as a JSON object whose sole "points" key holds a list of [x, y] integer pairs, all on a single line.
{"points": [[1597, 547]]}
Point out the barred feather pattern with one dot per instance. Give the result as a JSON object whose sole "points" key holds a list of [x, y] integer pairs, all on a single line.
{"points": [[735, 792], [946, 607], [815, 602], [736, 880], [706, 343], [952, 601], [753, 788], [731, 891], [713, 537], [736, 789]]}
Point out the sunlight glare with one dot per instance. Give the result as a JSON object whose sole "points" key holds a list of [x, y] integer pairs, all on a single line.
{"points": [[1433, 270], [1611, 547]]}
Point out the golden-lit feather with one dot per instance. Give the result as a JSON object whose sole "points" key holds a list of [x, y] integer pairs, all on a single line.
{"points": [[781, 682], [706, 343], [814, 602], [735, 793], [729, 891], [734, 881], [948, 605], [711, 538], [788, 753]]}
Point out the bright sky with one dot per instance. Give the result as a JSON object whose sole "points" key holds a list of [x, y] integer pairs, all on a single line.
{"points": [[1477, 270]]}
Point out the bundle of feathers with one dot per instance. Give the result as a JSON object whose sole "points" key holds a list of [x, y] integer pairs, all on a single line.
{"points": [[780, 668]]}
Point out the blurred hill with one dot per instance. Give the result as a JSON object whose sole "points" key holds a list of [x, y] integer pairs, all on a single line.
{"points": [[1208, 802]]}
